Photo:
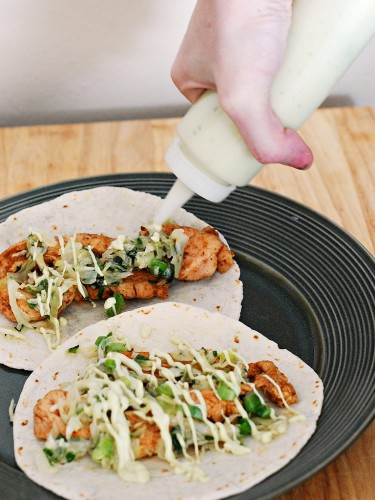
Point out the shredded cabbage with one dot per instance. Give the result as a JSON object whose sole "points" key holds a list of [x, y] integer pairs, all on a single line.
{"points": [[44, 287], [122, 393]]}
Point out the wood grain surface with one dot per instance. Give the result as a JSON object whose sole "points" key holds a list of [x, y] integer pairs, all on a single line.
{"points": [[340, 185]]}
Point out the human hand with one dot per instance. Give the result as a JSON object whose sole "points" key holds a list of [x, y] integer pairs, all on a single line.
{"points": [[236, 48]]}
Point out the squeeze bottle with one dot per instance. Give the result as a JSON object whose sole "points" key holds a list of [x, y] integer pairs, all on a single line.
{"points": [[209, 156]]}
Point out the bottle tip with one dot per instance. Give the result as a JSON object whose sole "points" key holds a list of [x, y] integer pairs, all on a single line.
{"points": [[178, 195]]}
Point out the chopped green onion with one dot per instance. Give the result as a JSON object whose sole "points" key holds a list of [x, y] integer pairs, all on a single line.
{"points": [[115, 347], [118, 306], [263, 411], [251, 403], [164, 389], [195, 412], [73, 349], [48, 453], [103, 449], [175, 442], [101, 288], [70, 456], [140, 359], [110, 364], [225, 393], [244, 427], [161, 268], [168, 405], [100, 339], [53, 456], [59, 455]]}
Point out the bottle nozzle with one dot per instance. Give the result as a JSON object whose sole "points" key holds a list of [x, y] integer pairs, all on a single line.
{"points": [[194, 178], [178, 195]]}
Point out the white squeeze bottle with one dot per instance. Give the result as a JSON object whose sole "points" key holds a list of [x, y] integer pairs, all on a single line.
{"points": [[209, 156]]}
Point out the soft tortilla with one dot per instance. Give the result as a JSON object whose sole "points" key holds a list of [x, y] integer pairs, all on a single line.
{"points": [[110, 211], [229, 474]]}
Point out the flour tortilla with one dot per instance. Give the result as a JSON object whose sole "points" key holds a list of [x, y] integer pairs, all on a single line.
{"points": [[228, 474], [110, 211]]}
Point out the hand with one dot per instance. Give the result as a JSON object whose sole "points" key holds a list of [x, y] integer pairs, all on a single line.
{"points": [[236, 47]]}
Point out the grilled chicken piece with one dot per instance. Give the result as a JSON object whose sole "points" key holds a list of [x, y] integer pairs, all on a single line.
{"points": [[257, 370], [50, 421], [145, 435], [216, 408], [204, 253], [13, 257], [140, 285], [33, 314], [99, 244]]}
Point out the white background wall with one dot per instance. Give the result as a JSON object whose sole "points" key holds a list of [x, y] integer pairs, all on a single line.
{"points": [[80, 60]]}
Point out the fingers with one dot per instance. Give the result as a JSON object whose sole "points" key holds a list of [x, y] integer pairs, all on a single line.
{"points": [[189, 86], [192, 70]]}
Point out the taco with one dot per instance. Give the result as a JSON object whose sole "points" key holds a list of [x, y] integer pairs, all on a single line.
{"points": [[150, 403], [101, 244]]}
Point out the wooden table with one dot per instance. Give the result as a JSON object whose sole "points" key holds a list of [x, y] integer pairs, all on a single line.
{"points": [[341, 185]]}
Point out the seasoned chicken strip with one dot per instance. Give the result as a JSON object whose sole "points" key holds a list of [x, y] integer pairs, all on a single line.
{"points": [[48, 419], [204, 253], [145, 435], [256, 372], [33, 314], [140, 285], [99, 244], [216, 408], [13, 257]]}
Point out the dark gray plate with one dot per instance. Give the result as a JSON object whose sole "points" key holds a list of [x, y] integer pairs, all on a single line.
{"points": [[308, 285]]}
